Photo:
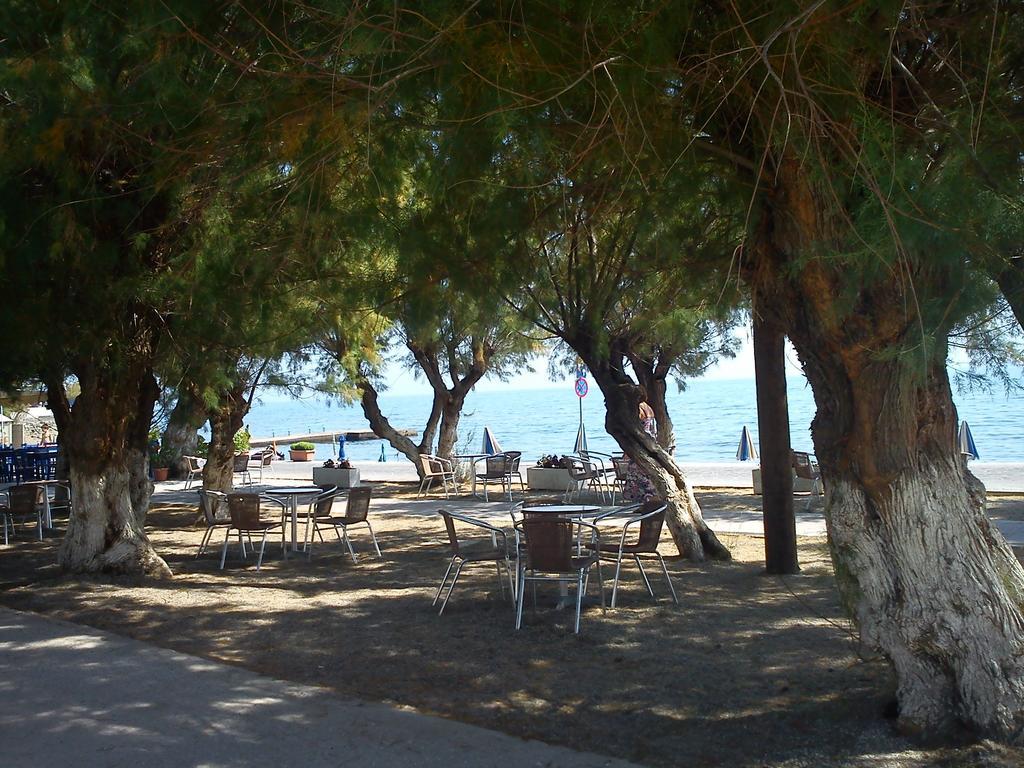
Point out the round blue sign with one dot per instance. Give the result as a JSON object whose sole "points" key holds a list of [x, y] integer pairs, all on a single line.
{"points": [[581, 387]]}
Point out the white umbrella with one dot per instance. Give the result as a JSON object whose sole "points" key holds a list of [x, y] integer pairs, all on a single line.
{"points": [[581, 440], [491, 445], [746, 450], [966, 440]]}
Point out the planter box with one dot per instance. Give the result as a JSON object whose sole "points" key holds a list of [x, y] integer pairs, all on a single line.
{"points": [[544, 479], [301, 455], [800, 484], [343, 478]]}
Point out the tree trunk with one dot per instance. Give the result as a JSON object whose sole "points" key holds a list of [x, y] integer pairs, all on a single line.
{"points": [[383, 429], [140, 487], [225, 421], [181, 437], [692, 536], [776, 466], [928, 580], [451, 414], [105, 532]]}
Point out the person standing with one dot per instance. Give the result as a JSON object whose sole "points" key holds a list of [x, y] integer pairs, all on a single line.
{"points": [[638, 487]]}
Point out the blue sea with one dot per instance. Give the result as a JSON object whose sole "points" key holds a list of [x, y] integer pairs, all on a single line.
{"points": [[709, 417]]}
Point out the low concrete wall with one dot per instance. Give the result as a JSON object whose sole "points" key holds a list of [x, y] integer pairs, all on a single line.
{"points": [[343, 478], [547, 479]]}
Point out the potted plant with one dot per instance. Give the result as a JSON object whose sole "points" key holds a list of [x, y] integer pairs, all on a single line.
{"points": [[301, 451], [340, 473], [160, 463]]}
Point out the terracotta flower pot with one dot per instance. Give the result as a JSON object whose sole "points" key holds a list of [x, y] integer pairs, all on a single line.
{"points": [[160, 473]]}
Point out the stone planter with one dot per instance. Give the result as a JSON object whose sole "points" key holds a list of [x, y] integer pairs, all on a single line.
{"points": [[301, 455], [545, 479], [343, 478]]}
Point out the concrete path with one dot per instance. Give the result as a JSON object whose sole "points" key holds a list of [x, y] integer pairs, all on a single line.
{"points": [[72, 695]]}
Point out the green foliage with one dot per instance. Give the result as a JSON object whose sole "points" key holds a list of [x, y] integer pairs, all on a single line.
{"points": [[302, 445], [241, 439]]}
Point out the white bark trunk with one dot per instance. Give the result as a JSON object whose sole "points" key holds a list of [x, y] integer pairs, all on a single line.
{"points": [[103, 533], [935, 588]]}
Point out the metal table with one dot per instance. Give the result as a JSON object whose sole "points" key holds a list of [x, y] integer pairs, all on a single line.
{"points": [[291, 494]]}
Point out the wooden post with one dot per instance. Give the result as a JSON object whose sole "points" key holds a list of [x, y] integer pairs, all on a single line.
{"points": [[773, 429]]}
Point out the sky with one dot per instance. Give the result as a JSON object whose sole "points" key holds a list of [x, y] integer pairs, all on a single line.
{"points": [[402, 382]]}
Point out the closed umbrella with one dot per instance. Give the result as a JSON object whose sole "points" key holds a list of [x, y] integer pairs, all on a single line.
{"points": [[382, 456], [746, 450], [966, 440], [581, 440], [491, 445]]}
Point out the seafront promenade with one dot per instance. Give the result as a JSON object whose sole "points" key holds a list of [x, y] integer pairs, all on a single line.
{"points": [[998, 477]]}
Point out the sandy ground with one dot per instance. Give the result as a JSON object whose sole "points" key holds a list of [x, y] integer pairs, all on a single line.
{"points": [[748, 670]]}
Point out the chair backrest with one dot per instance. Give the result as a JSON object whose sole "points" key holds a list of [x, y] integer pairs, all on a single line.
{"points": [[323, 503], [431, 466], [621, 466], [25, 499], [549, 543], [579, 469], [802, 465], [244, 509], [358, 503], [497, 465], [650, 528], [192, 463], [210, 503], [268, 457], [241, 463], [513, 461], [449, 524]]}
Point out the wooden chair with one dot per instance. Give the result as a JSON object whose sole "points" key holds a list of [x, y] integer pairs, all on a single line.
{"points": [[244, 509]]}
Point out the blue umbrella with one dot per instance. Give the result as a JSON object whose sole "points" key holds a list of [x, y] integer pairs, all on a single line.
{"points": [[490, 446], [966, 440], [581, 440], [746, 450]]}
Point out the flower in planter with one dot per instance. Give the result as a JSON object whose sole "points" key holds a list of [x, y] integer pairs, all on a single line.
{"points": [[554, 461]]}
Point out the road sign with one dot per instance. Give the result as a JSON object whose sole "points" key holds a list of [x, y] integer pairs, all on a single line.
{"points": [[581, 387]]}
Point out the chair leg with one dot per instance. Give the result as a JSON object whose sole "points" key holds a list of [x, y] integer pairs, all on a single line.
{"points": [[224, 553], [671, 587], [643, 573], [511, 581], [501, 578], [345, 539], [374, 537], [202, 544], [451, 588], [579, 600], [615, 582], [420, 491], [600, 584], [263, 545], [443, 580], [520, 594]]}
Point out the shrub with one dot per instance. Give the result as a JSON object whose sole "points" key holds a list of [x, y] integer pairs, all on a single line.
{"points": [[241, 439], [302, 446]]}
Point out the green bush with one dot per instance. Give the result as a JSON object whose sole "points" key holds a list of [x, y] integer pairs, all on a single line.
{"points": [[302, 446], [242, 438]]}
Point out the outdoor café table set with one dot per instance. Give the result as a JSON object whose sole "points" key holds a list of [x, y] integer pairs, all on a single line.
{"points": [[560, 543]]}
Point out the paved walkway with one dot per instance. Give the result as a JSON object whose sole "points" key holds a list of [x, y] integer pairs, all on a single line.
{"points": [[72, 695]]}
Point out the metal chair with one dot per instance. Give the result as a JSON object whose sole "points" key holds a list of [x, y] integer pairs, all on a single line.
{"points": [[211, 505], [497, 467], [807, 469], [551, 552], [650, 516], [193, 469], [357, 506], [319, 511], [620, 464], [240, 466], [475, 552], [26, 501], [244, 509], [582, 473], [434, 468]]}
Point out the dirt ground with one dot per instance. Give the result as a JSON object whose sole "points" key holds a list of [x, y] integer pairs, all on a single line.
{"points": [[748, 670]]}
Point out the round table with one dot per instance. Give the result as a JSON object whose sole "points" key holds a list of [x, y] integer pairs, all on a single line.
{"points": [[567, 510], [292, 494]]}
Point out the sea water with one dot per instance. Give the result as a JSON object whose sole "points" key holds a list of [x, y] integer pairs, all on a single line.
{"points": [[708, 415]]}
